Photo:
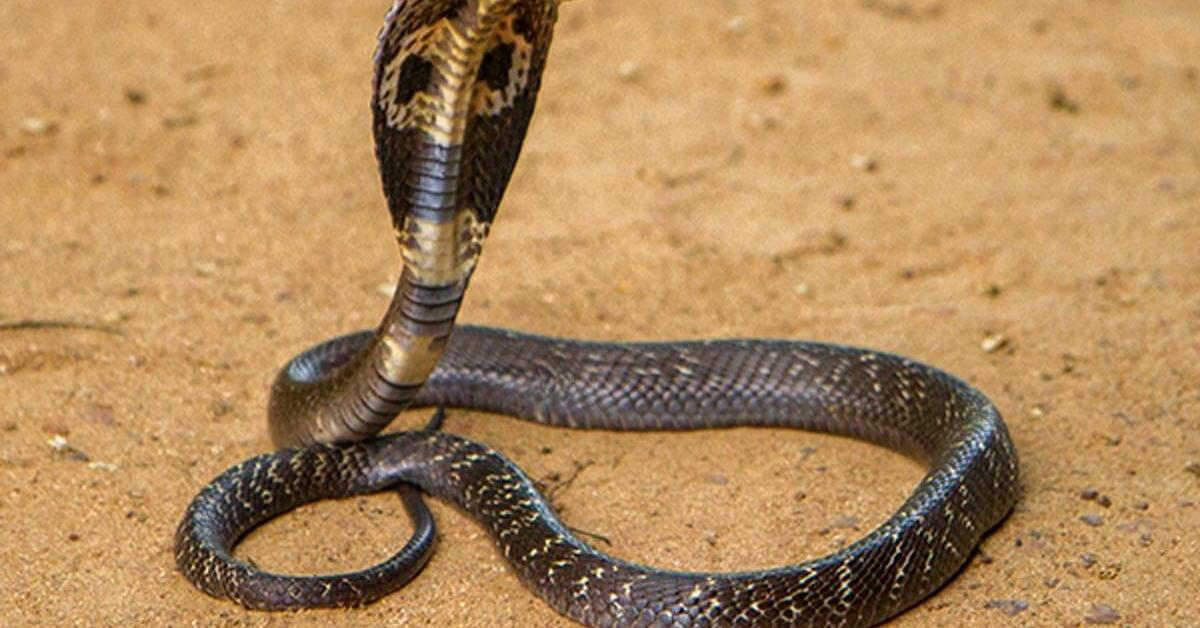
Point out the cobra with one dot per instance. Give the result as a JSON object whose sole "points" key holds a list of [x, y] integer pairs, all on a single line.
{"points": [[454, 87]]}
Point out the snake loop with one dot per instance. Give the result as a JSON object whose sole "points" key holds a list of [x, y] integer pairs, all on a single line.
{"points": [[455, 85]]}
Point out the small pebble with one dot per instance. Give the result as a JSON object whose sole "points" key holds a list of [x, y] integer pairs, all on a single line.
{"points": [[737, 25], [1092, 520], [1060, 101], [993, 343], [1193, 468], [135, 96], [1089, 494], [72, 537], [864, 163], [65, 449], [1087, 559], [718, 479], [1101, 614], [38, 126], [772, 85], [629, 71], [1142, 505], [220, 407], [1104, 501], [1011, 608]]}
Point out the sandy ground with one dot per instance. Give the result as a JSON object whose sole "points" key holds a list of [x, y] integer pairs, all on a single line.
{"points": [[195, 182]]}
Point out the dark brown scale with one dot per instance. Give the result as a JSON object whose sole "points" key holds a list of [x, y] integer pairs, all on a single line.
{"points": [[495, 66], [350, 387], [414, 76]]}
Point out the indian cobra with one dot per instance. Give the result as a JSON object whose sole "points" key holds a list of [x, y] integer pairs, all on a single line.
{"points": [[454, 88]]}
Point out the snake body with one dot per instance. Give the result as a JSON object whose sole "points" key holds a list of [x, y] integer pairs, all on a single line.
{"points": [[455, 86]]}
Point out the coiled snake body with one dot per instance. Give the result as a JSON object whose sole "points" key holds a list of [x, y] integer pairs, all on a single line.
{"points": [[455, 85]]}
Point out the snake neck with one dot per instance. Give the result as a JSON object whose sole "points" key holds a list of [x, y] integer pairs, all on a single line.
{"points": [[454, 89]]}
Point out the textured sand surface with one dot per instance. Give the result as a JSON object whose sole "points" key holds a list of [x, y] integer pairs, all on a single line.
{"points": [[195, 181]]}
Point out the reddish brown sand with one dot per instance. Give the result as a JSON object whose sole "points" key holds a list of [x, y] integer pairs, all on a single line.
{"points": [[196, 180]]}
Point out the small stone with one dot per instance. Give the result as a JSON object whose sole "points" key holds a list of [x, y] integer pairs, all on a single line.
{"points": [[8, 426], [38, 126], [115, 317], [1058, 100], [737, 25], [135, 96], [718, 479], [1101, 614], [803, 290], [1104, 501], [1087, 559], [1141, 505], [1092, 520], [1011, 608], [991, 290], [72, 537], [1193, 468], [845, 201], [772, 85], [865, 163], [63, 448], [1089, 494], [220, 407], [847, 522], [629, 71], [993, 343]]}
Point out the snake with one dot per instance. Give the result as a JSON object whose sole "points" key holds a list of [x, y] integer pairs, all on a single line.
{"points": [[454, 88]]}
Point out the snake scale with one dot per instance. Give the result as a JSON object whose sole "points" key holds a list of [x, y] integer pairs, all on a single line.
{"points": [[454, 89]]}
